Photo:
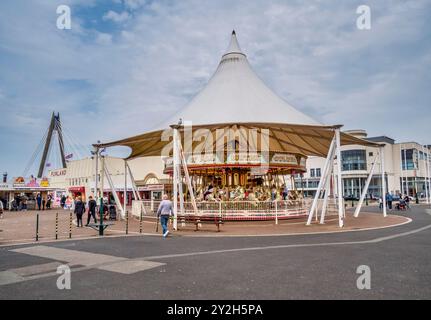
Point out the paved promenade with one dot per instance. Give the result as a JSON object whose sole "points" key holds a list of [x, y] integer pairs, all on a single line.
{"points": [[313, 266]]}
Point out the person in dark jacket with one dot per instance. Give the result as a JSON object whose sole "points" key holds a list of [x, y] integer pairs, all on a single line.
{"points": [[43, 203], [91, 210], [63, 201], [79, 211], [39, 201]]}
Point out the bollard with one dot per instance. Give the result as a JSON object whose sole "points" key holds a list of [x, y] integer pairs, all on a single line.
{"points": [[276, 212], [127, 222], [56, 226], [70, 225], [140, 223], [37, 227]]}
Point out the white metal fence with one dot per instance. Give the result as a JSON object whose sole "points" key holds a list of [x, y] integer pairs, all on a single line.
{"points": [[240, 210]]}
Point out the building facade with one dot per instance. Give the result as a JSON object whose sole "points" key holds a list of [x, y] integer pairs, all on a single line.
{"points": [[78, 179], [407, 167]]}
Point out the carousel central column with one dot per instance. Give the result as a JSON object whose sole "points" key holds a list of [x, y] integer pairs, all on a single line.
{"points": [[340, 179]]}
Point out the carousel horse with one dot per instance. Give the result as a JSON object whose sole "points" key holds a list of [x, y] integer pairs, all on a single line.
{"points": [[239, 194]]}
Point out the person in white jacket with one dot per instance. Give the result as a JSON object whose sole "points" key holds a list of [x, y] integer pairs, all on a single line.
{"points": [[164, 211], [1, 209]]}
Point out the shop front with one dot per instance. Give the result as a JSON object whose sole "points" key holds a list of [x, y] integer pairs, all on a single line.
{"points": [[78, 191], [5, 190], [151, 191]]}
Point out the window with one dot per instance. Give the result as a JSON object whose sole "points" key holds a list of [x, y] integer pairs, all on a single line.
{"points": [[312, 173], [410, 159], [318, 172], [353, 160], [371, 154]]}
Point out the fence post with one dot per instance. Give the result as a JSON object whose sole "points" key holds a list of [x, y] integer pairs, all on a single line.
{"points": [[140, 223], [56, 226], [276, 212], [219, 208], [37, 227], [70, 225], [127, 221]]}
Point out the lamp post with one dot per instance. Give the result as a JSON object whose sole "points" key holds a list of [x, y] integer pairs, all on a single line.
{"points": [[96, 154]]}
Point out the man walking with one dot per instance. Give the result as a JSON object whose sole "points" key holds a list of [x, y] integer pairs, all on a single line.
{"points": [[63, 201], [79, 211], [91, 210], [164, 211]]}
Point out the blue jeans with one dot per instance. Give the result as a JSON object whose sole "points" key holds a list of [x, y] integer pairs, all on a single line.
{"points": [[164, 223]]}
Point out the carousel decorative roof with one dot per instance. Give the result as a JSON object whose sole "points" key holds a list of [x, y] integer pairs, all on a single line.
{"points": [[236, 94], [236, 98]]}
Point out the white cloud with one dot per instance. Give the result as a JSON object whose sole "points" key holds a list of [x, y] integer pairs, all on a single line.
{"points": [[117, 17], [104, 38], [134, 4]]}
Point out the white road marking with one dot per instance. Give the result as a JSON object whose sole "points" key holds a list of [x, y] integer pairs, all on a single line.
{"points": [[73, 258], [36, 269], [8, 277], [131, 266], [304, 245]]}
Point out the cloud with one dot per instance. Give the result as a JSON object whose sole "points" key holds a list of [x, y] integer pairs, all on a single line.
{"points": [[112, 80], [134, 4], [117, 17], [104, 39]]}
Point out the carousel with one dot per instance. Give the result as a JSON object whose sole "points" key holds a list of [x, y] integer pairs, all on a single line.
{"points": [[235, 149]]}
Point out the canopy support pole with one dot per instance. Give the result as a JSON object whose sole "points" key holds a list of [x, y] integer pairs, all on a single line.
{"points": [[96, 175], [125, 186], [340, 180], [134, 187], [320, 186], [187, 176], [175, 174], [426, 160], [365, 190], [113, 190], [401, 170], [382, 167], [429, 172], [327, 191]]}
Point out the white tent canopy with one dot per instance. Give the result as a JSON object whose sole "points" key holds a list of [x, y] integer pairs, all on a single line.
{"points": [[235, 97], [236, 94]]}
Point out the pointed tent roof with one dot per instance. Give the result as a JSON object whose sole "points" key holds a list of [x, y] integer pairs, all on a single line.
{"points": [[233, 45], [235, 97], [235, 93]]}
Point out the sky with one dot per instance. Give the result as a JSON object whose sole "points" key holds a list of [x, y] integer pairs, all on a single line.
{"points": [[127, 65]]}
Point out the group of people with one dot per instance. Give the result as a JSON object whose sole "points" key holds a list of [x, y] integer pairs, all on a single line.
{"points": [[81, 208], [402, 204], [43, 202]]}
